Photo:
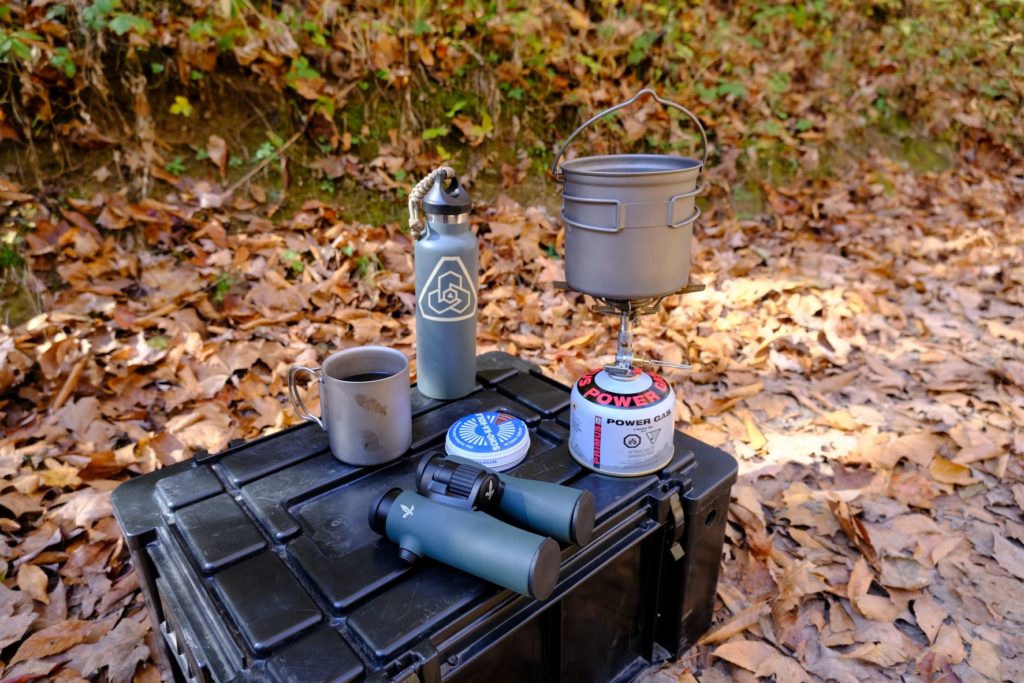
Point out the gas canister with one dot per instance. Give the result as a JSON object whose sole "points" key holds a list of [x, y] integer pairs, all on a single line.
{"points": [[622, 425]]}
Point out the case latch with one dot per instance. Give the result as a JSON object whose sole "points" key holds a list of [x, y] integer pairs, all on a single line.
{"points": [[675, 509]]}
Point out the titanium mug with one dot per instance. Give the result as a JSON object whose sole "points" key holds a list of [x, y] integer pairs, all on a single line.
{"points": [[364, 404]]}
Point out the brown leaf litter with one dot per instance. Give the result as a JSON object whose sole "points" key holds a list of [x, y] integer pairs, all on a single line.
{"points": [[860, 352]]}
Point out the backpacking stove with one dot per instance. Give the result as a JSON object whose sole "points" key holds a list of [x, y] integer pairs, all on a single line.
{"points": [[622, 415], [628, 230]]}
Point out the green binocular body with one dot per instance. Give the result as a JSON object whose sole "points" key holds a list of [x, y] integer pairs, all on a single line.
{"points": [[470, 540], [563, 513]]}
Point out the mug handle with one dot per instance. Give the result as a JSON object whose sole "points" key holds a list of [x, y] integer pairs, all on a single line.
{"points": [[293, 393]]}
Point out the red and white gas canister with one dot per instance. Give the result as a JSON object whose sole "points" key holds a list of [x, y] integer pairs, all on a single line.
{"points": [[622, 425]]}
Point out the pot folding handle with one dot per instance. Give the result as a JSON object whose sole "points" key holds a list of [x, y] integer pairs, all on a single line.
{"points": [[556, 170]]}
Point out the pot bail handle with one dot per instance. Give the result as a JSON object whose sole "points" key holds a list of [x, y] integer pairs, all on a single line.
{"points": [[556, 169]]}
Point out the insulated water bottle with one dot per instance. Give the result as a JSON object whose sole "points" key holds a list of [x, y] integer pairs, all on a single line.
{"points": [[447, 267]]}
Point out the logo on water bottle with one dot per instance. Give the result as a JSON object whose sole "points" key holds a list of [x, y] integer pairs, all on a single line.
{"points": [[448, 295]]}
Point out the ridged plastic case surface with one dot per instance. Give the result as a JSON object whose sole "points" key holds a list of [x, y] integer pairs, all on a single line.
{"points": [[258, 563]]}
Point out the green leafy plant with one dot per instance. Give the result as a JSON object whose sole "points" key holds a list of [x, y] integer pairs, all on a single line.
{"points": [[158, 342], [221, 287], [364, 264], [17, 44], [124, 22], [175, 166], [203, 28], [62, 60], [293, 261], [9, 257], [181, 106], [431, 133], [641, 48], [456, 108], [265, 151], [97, 13], [301, 69]]}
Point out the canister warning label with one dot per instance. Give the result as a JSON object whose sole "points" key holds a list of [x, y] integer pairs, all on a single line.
{"points": [[590, 390], [620, 448]]}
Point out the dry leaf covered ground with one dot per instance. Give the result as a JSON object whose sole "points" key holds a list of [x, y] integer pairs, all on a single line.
{"points": [[860, 351]]}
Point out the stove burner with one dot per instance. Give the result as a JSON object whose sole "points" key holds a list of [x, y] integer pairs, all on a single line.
{"points": [[627, 365]]}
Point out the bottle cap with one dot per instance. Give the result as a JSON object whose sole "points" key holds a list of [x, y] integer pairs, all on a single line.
{"points": [[446, 201], [495, 440]]}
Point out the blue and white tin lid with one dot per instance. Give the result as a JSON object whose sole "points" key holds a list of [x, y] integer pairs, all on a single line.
{"points": [[492, 439]]}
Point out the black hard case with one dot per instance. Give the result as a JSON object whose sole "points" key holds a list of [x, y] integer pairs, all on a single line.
{"points": [[257, 563]]}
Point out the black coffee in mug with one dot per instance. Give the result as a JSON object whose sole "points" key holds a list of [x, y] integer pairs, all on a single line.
{"points": [[367, 377]]}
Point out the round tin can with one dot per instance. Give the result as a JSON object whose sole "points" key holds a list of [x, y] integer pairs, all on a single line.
{"points": [[495, 440], [622, 427]]}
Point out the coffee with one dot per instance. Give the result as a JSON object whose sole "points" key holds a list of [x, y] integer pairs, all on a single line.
{"points": [[367, 377]]}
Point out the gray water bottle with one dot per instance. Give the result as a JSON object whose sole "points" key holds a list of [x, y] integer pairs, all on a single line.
{"points": [[447, 266]]}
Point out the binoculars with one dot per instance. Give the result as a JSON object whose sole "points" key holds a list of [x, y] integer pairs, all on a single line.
{"points": [[470, 517]]}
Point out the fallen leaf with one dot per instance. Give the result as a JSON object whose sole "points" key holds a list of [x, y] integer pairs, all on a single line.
{"points": [[949, 645], [949, 472], [930, 615], [903, 572], [860, 579], [840, 419], [54, 639], [747, 654], [217, 148], [854, 529], [985, 659], [16, 615], [882, 654], [919, 448], [755, 438], [944, 548], [120, 651], [32, 581], [876, 607], [1009, 555], [736, 624]]}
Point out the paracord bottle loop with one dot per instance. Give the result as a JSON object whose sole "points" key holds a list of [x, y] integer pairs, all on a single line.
{"points": [[416, 226]]}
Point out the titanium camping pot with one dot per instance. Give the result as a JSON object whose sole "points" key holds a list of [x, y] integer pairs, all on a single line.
{"points": [[629, 217]]}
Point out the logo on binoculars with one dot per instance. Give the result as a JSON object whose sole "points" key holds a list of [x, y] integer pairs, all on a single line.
{"points": [[448, 295]]}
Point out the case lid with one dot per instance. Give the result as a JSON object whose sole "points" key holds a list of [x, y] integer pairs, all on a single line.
{"points": [[491, 439]]}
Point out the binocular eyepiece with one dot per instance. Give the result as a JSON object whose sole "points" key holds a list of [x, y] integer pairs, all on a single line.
{"points": [[458, 483]]}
